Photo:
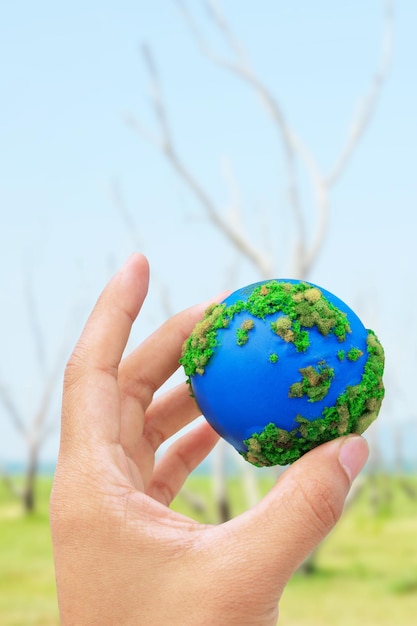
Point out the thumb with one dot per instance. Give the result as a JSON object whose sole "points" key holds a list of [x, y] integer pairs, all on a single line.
{"points": [[301, 509]]}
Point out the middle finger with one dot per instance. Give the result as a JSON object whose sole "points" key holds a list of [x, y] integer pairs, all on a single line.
{"points": [[143, 372]]}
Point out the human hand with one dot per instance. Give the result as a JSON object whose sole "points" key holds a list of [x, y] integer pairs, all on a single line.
{"points": [[122, 557]]}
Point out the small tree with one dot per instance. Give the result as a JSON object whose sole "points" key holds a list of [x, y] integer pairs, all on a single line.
{"points": [[35, 430]]}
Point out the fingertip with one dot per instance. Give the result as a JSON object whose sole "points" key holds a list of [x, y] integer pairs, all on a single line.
{"points": [[133, 282], [353, 454], [136, 262]]}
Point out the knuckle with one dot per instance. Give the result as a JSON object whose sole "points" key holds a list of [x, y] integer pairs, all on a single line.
{"points": [[75, 367], [323, 509], [161, 491], [139, 387], [153, 435]]}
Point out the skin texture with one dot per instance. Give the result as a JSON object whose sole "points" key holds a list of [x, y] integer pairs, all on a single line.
{"points": [[121, 555]]}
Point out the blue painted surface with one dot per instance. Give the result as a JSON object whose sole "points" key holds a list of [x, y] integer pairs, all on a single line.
{"points": [[242, 391]]}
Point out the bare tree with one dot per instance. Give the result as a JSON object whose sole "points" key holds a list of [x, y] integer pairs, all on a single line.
{"points": [[35, 430], [307, 243], [296, 152], [33, 434]]}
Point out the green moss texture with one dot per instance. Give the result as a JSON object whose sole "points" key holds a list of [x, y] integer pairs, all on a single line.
{"points": [[354, 411]]}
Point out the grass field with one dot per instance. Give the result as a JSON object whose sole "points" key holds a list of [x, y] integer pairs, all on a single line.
{"points": [[27, 586], [366, 570]]}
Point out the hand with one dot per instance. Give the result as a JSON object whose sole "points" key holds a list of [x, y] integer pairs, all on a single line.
{"points": [[121, 555]]}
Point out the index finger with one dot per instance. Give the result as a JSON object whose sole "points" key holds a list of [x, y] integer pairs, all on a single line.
{"points": [[91, 400]]}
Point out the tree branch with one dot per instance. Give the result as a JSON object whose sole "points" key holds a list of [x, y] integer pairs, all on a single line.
{"points": [[9, 483], [36, 327], [367, 108], [306, 248], [235, 235], [132, 229], [242, 68], [126, 215], [305, 253], [38, 430], [12, 410]]}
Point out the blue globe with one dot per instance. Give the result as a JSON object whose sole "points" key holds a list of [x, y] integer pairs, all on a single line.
{"points": [[281, 366]]}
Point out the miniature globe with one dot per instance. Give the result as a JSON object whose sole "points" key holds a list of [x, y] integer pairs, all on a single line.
{"points": [[282, 366]]}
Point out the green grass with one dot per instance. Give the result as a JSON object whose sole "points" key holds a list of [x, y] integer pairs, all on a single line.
{"points": [[27, 584], [366, 570]]}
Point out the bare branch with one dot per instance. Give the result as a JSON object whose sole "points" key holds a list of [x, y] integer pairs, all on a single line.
{"points": [[235, 203], [158, 103], [12, 410], [36, 327], [38, 430], [243, 69], [9, 483], [126, 215], [322, 184], [366, 110], [135, 125], [214, 12], [132, 229], [235, 235], [305, 253], [303, 260], [33, 431]]}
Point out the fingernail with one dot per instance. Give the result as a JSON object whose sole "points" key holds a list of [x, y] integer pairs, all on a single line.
{"points": [[353, 455]]}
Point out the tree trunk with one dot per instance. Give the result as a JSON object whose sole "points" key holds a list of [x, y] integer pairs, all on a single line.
{"points": [[29, 488]]}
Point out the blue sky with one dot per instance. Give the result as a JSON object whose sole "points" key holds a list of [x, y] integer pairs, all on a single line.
{"points": [[70, 75]]}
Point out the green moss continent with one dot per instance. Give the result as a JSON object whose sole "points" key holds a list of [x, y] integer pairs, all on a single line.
{"points": [[315, 382], [302, 305], [354, 411]]}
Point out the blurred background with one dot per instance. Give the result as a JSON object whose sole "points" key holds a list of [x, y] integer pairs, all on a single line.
{"points": [[229, 142]]}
